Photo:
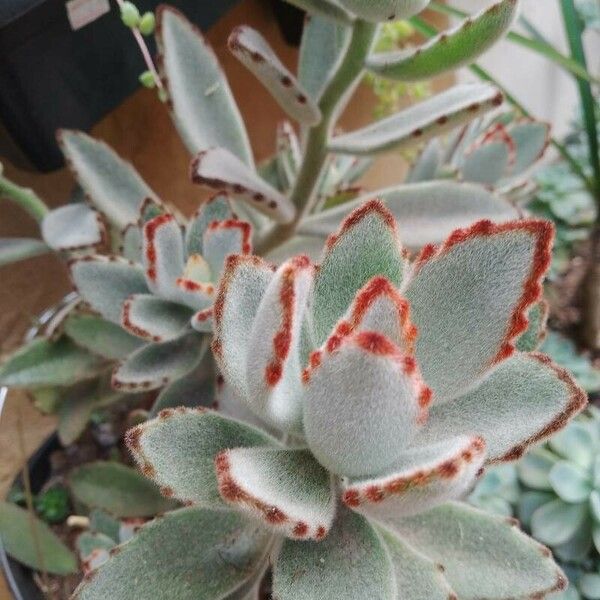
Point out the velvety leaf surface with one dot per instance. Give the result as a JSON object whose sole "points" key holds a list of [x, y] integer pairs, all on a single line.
{"points": [[533, 395], [217, 208], [366, 245], [118, 490], [219, 169], [487, 164], [112, 184], [15, 249], [274, 363], [204, 110], [16, 531], [100, 336], [178, 450], [342, 434], [384, 10], [420, 122], [531, 138], [449, 50], [421, 478], [351, 562], [536, 328], [417, 577], [44, 363], [222, 239], [426, 213], [189, 554], [155, 365], [73, 227], [427, 164], [483, 556], [287, 489], [105, 282], [253, 51], [492, 273]]}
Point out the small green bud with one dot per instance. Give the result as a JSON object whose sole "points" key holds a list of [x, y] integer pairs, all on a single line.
{"points": [[130, 15], [147, 23], [53, 505], [147, 79]]}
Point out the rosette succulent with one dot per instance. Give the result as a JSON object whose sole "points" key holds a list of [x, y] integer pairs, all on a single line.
{"points": [[379, 389]]}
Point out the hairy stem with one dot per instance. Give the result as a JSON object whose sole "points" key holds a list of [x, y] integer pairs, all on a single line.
{"points": [[26, 198], [333, 100]]}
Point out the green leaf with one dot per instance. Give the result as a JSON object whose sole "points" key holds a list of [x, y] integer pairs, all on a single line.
{"points": [[286, 484], [351, 562], [590, 586], [366, 245], [204, 110], [106, 282], [428, 163], [578, 547], [184, 441], [323, 41], [15, 249], [571, 483], [100, 336], [73, 227], [529, 502], [219, 169], [536, 327], [113, 185], [483, 556], [534, 469], [426, 213], [531, 139], [487, 164], [43, 363], [189, 554], [556, 522], [254, 52], [118, 490], [449, 50], [31, 542], [217, 208], [575, 443], [155, 365], [420, 122], [384, 10]]}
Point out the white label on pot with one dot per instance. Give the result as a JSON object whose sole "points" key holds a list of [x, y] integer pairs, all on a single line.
{"points": [[84, 12]]}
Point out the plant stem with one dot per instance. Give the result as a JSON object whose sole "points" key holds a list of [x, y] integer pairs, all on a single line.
{"points": [[304, 194], [26, 198], [574, 31]]}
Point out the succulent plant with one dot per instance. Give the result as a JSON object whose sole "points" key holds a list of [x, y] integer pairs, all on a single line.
{"points": [[364, 424]]}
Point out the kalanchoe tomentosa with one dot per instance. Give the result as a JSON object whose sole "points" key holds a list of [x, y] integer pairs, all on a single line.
{"points": [[389, 385]]}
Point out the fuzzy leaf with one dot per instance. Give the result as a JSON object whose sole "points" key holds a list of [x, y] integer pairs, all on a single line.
{"points": [[324, 8], [483, 556], [204, 110], [45, 363], [222, 239], [203, 555], [155, 365], [254, 52], [420, 479], [417, 577], [242, 287], [315, 68], [154, 319], [341, 433], [555, 522], [219, 169], [287, 489], [351, 562], [112, 184], [506, 264], [16, 534], [100, 336], [426, 213], [534, 468], [531, 138], [178, 450], [449, 50], [15, 249], [73, 227], [274, 363], [420, 122], [105, 282], [576, 444], [536, 328], [118, 490], [528, 391], [131, 244], [195, 389], [427, 164], [384, 10], [486, 164], [217, 208], [231, 405], [366, 245]]}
